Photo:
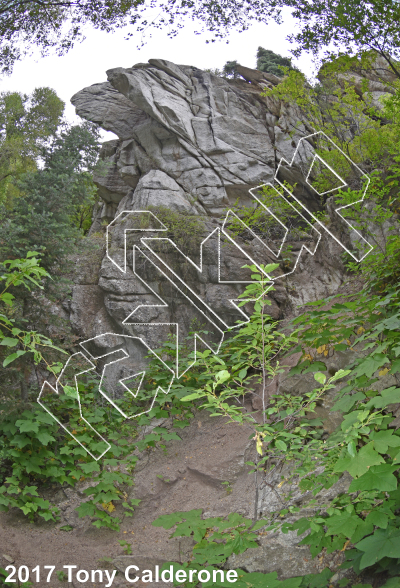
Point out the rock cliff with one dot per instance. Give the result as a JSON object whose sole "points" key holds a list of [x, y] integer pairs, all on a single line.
{"points": [[194, 144]]}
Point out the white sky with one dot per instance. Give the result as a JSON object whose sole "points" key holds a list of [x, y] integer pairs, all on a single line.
{"points": [[87, 63]]}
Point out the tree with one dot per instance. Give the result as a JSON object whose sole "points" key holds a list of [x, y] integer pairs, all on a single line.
{"points": [[44, 215], [15, 342], [55, 24], [229, 69], [271, 62], [58, 24], [27, 122], [338, 24], [349, 26]]}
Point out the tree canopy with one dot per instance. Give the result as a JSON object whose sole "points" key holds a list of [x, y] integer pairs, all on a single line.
{"points": [[334, 26], [349, 26], [54, 24], [27, 122], [271, 62], [44, 216]]}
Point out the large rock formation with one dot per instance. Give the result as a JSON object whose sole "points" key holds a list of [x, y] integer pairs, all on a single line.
{"points": [[194, 143], [190, 147]]}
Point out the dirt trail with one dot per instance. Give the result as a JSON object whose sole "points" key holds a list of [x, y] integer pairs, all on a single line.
{"points": [[188, 475]]}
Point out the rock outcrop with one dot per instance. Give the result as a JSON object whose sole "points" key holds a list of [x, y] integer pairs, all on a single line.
{"points": [[215, 137], [195, 143]]}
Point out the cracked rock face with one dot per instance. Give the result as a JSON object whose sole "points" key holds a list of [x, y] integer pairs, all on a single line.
{"points": [[214, 138], [193, 143]]}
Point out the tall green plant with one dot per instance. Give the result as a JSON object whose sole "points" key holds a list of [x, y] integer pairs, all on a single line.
{"points": [[44, 215], [16, 273], [27, 123]]}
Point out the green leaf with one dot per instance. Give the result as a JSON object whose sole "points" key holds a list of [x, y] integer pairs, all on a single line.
{"points": [[301, 526], [370, 364], [378, 519], [44, 437], [194, 396], [351, 448], [32, 490], [314, 367], [383, 543], [395, 366], [70, 391], [321, 378], [348, 401], [13, 357], [340, 374], [291, 583], [86, 509], [358, 465], [388, 396], [378, 477], [7, 298], [9, 342], [385, 439], [27, 426], [66, 528], [222, 376], [344, 523], [168, 521], [90, 467], [320, 580], [392, 583], [281, 445], [21, 441]]}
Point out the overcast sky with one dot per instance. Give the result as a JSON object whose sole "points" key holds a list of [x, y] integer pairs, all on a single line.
{"points": [[87, 63]]}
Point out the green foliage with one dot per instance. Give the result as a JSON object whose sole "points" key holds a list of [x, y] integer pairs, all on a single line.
{"points": [[337, 26], [58, 25], [27, 122], [340, 25], [126, 546], [62, 575], [229, 70], [50, 199], [185, 230], [378, 223], [37, 453], [46, 209], [4, 574], [337, 110], [216, 539], [267, 61], [365, 517], [363, 445], [28, 273], [265, 219], [271, 62], [349, 26], [362, 520]]}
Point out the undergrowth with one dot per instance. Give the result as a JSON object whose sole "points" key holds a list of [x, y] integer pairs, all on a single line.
{"points": [[360, 522]]}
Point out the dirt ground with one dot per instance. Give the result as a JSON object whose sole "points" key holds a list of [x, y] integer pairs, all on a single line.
{"points": [[188, 475]]}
